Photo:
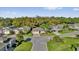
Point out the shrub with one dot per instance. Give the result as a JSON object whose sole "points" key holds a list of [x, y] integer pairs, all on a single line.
{"points": [[19, 38], [77, 35], [12, 32], [57, 39]]}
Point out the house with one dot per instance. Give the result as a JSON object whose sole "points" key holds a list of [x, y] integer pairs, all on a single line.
{"points": [[56, 28], [6, 30], [37, 31], [3, 46], [74, 26], [10, 42], [25, 29], [16, 30], [6, 43]]}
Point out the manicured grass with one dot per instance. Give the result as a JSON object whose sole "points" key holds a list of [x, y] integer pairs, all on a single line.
{"points": [[25, 46], [70, 40], [58, 46], [63, 46]]}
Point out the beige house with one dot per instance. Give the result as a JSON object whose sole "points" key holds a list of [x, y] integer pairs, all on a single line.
{"points": [[6, 30], [16, 31], [38, 31]]}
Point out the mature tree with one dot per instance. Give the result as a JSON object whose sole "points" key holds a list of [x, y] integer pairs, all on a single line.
{"points": [[19, 38], [2, 24], [35, 21]]}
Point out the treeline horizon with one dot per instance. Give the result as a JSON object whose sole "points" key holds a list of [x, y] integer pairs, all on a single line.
{"points": [[36, 21], [37, 16]]}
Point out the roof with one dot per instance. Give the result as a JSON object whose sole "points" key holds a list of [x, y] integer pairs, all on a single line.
{"points": [[3, 39], [27, 28], [38, 29], [8, 39]]}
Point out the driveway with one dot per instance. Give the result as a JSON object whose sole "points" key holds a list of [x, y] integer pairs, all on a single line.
{"points": [[40, 43]]}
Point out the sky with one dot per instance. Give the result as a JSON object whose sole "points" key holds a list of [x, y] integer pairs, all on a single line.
{"points": [[39, 11]]}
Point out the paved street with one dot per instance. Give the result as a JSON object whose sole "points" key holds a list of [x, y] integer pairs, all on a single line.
{"points": [[72, 34], [40, 43]]}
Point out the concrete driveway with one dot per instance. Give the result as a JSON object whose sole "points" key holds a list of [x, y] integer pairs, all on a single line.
{"points": [[40, 43]]}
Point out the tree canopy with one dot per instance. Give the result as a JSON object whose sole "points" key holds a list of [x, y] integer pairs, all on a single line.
{"points": [[35, 21]]}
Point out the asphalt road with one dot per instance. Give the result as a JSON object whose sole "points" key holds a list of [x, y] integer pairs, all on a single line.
{"points": [[72, 34]]}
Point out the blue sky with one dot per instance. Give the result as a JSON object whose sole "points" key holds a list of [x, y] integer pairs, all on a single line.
{"points": [[40, 11]]}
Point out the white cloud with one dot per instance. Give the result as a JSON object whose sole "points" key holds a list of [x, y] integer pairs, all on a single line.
{"points": [[76, 9], [53, 8]]}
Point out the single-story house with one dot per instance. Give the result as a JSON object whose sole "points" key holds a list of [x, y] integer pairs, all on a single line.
{"points": [[16, 30], [38, 31], [10, 42], [74, 26], [6, 43], [25, 29], [56, 28], [6, 30]]}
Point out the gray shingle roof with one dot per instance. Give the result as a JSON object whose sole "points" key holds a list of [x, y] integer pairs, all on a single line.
{"points": [[38, 29]]}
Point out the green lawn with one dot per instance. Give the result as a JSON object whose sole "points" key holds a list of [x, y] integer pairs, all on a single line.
{"points": [[25, 46], [63, 46], [70, 40]]}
